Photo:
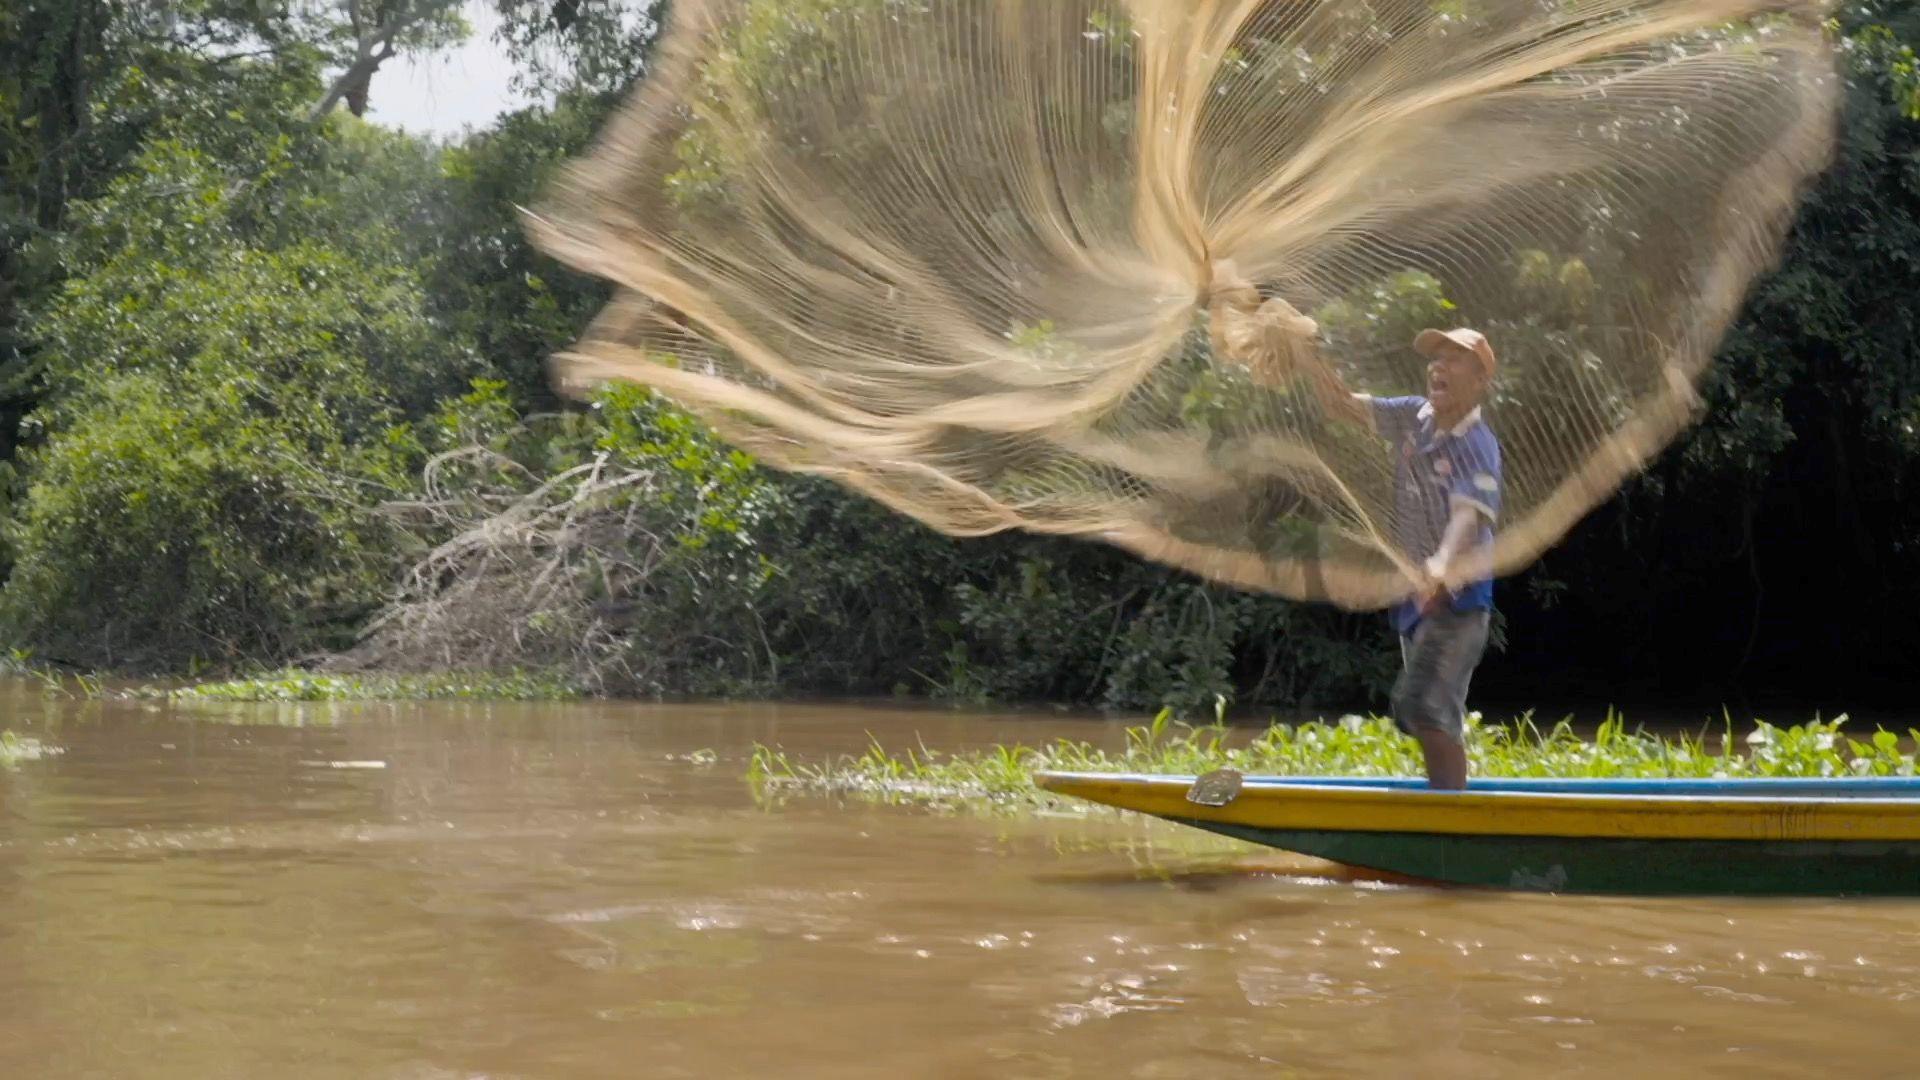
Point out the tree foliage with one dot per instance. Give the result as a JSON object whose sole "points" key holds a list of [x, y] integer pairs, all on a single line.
{"points": [[221, 370], [1764, 554]]}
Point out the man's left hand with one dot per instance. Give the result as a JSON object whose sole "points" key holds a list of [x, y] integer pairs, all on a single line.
{"points": [[1431, 590]]}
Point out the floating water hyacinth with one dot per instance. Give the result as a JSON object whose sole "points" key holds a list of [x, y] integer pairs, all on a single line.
{"points": [[1351, 746]]}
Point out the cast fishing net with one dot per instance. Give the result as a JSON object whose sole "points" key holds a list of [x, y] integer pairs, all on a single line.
{"points": [[960, 254]]}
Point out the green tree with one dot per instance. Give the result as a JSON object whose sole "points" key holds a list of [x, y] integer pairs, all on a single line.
{"points": [[1765, 553], [517, 304], [580, 46], [240, 330], [86, 84]]}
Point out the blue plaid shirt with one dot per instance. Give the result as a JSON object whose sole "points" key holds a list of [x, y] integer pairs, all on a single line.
{"points": [[1433, 472]]}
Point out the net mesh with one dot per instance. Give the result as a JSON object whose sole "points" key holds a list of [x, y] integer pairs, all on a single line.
{"points": [[1109, 269]]}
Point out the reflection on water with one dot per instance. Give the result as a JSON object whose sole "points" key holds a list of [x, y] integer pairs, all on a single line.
{"points": [[427, 891]]}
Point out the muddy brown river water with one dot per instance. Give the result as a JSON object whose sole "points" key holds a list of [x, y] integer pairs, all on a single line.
{"points": [[591, 890]]}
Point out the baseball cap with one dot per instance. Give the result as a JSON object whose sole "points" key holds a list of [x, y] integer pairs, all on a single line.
{"points": [[1473, 341]]}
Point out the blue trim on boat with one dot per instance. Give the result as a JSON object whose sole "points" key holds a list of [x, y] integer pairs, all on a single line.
{"points": [[1882, 787], [1839, 787]]}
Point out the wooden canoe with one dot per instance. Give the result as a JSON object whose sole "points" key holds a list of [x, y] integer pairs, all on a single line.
{"points": [[1829, 837]]}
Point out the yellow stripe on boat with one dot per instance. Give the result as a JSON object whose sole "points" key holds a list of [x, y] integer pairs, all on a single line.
{"points": [[1305, 807]]}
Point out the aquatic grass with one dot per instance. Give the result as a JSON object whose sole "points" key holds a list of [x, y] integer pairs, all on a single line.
{"points": [[15, 749], [437, 686], [1349, 746], [53, 682]]}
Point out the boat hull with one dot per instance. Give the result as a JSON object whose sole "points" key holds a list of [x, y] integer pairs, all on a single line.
{"points": [[1601, 865], [1846, 837]]}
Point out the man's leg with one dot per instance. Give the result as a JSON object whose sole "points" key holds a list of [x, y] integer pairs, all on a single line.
{"points": [[1446, 759], [1429, 699]]}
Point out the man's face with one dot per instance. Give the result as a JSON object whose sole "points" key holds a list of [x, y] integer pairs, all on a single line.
{"points": [[1455, 380]]}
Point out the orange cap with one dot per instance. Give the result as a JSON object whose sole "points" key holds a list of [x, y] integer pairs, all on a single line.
{"points": [[1473, 341]]}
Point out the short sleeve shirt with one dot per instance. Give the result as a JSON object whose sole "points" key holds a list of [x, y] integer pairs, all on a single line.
{"points": [[1434, 471]]}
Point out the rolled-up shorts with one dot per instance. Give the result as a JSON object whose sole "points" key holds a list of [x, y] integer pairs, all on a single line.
{"points": [[1437, 660]]}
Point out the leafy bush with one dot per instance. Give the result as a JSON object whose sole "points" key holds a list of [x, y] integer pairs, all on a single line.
{"points": [[215, 432], [173, 524]]}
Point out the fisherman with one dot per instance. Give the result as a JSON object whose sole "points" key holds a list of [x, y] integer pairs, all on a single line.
{"points": [[1447, 486]]}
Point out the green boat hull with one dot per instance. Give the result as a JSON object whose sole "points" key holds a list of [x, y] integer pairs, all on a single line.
{"points": [[1608, 865]]}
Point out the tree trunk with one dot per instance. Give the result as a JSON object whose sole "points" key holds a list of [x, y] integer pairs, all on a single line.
{"points": [[356, 96], [373, 46], [63, 111]]}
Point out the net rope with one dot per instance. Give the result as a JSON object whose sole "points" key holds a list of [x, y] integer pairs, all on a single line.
{"points": [[1109, 269]]}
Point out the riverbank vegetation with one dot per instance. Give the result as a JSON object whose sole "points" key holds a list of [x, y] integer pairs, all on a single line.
{"points": [[436, 686], [1350, 746], [273, 391]]}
